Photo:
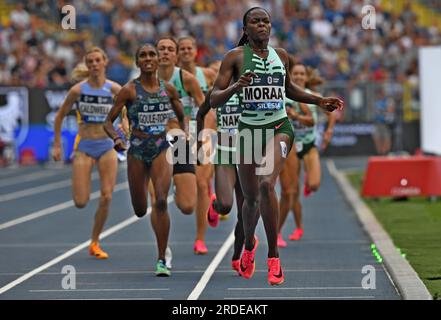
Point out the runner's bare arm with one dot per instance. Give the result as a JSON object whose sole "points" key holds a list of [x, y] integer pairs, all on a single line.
{"points": [[223, 89], [191, 85], [210, 76], [125, 95], [204, 108], [200, 117], [116, 87], [70, 99], [327, 135], [124, 124], [298, 94], [305, 117], [176, 104]]}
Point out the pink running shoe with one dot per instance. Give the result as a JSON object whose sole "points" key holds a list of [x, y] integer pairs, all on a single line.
{"points": [[235, 265], [212, 215], [199, 247], [306, 191], [296, 235], [247, 264], [275, 273], [280, 242]]}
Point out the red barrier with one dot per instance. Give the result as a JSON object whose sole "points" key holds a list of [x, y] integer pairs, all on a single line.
{"points": [[27, 157], [402, 176]]}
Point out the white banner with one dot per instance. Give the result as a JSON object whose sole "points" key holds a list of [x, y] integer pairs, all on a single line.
{"points": [[430, 82], [14, 113]]}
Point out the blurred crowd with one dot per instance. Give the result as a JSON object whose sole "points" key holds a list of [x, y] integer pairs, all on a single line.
{"points": [[326, 34], [432, 4]]}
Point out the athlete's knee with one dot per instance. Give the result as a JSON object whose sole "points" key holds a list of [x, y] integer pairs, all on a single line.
{"points": [[80, 202], [106, 198], [266, 187], [161, 205], [252, 202], [314, 186], [202, 184], [140, 210], [296, 192], [186, 209], [288, 193], [223, 207], [80, 205], [186, 205]]}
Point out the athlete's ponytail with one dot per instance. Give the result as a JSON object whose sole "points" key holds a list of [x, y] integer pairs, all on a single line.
{"points": [[314, 78], [243, 40], [80, 72]]}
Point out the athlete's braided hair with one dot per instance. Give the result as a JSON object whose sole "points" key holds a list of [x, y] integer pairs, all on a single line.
{"points": [[244, 39]]}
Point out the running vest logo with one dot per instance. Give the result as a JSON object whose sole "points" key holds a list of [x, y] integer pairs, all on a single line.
{"points": [[242, 268], [279, 125]]}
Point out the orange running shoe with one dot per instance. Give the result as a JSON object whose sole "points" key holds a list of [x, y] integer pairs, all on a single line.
{"points": [[296, 235], [275, 273], [96, 251], [280, 242], [235, 265], [212, 215], [247, 264], [199, 247]]}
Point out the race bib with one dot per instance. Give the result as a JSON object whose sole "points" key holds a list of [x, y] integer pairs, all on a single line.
{"points": [[153, 122], [299, 146], [266, 93]]}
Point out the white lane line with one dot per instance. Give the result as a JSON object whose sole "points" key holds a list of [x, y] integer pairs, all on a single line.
{"points": [[194, 295], [174, 271], [29, 177], [101, 290], [41, 189], [285, 298], [108, 244], [93, 299], [72, 251], [56, 208], [44, 188], [300, 288], [12, 172]]}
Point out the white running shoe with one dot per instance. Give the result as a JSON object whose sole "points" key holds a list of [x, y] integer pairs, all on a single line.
{"points": [[168, 257]]}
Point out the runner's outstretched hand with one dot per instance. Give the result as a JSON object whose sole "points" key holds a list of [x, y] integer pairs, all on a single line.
{"points": [[330, 104]]}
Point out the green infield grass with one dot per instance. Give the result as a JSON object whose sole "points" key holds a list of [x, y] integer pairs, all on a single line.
{"points": [[415, 228]]}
